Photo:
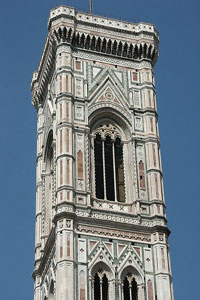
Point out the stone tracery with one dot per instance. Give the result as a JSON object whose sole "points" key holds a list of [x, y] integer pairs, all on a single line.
{"points": [[108, 161], [92, 80]]}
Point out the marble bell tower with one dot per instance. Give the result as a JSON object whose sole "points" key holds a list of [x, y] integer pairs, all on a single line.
{"points": [[101, 230]]}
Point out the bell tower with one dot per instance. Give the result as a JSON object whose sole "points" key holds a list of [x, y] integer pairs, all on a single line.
{"points": [[101, 230]]}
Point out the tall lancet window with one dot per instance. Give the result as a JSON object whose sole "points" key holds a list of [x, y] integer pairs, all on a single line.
{"points": [[100, 286], [48, 178], [109, 164], [129, 288]]}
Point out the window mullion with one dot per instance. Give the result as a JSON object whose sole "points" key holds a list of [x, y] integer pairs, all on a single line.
{"points": [[130, 292], [91, 285], [122, 291], [101, 290], [114, 171], [93, 180], [104, 170]]}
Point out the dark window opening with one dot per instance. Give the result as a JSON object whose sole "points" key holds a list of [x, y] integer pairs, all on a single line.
{"points": [[126, 289], [100, 287], [97, 290], [134, 289], [109, 169], [141, 174], [119, 168], [99, 167], [130, 289], [105, 288]]}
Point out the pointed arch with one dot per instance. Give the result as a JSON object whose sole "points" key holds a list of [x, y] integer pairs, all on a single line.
{"points": [[48, 181], [133, 271], [65, 33], [97, 288], [135, 52], [130, 288], [114, 48], [87, 43], [109, 47], [140, 51], [59, 33], [149, 51], [98, 46], [130, 51], [82, 42], [69, 35], [48, 154], [78, 40], [119, 49], [102, 281], [74, 40], [131, 280], [145, 50], [125, 50], [93, 43], [103, 49], [56, 36]]}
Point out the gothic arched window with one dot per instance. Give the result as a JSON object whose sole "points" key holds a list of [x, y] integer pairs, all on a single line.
{"points": [[48, 182], [129, 287], [100, 286], [108, 163]]}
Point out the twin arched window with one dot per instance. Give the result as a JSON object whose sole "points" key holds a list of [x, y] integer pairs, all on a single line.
{"points": [[129, 287], [101, 287], [109, 164]]}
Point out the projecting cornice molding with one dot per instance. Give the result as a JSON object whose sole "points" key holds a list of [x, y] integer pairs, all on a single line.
{"points": [[41, 78], [113, 47], [92, 34]]}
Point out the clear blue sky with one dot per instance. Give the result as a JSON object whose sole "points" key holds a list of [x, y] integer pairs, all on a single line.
{"points": [[23, 29]]}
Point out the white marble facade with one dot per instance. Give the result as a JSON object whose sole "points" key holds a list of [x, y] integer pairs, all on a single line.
{"points": [[99, 236]]}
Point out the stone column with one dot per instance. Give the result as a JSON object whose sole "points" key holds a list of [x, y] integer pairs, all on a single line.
{"points": [[111, 290], [141, 291], [120, 289]]}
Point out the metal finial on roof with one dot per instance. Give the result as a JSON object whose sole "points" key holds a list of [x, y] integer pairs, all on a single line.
{"points": [[90, 6]]}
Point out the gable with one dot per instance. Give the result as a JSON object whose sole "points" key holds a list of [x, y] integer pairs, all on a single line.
{"points": [[97, 74], [108, 92]]}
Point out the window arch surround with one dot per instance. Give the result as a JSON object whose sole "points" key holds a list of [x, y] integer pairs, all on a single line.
{"points": [[109, 157], [48, 182], [131, 284], [101, 282], [48, 154]]}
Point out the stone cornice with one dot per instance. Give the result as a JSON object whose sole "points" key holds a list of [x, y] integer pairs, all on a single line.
{"points": [[93, 215], [99, 43], [93, 41], [81, 222], [41, 78], [71, 15]]}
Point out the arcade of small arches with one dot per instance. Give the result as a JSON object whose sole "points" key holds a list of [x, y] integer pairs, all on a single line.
{"points": [[109, 157], [104, 286], [108, 46], [101, 286], [109, 165]]}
